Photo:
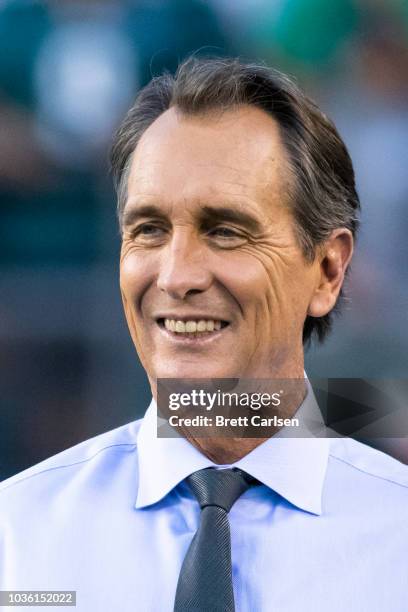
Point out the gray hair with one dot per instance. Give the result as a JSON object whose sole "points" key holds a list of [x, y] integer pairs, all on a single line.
{"points": [[323, 196]]}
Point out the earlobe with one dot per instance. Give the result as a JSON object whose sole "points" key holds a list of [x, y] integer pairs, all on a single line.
{"points": [[335, 256]]}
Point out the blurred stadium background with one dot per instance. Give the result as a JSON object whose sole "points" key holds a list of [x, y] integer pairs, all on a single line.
{"points": [[68, 72]]}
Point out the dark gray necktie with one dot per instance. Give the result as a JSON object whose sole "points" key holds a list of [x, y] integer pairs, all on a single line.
{"points": [[205, 581]]}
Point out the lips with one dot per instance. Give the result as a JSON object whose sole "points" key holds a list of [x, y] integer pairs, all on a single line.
{"points": [[191, 327]]}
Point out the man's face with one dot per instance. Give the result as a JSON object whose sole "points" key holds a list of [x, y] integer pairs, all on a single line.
{"points": [[209, 241]]}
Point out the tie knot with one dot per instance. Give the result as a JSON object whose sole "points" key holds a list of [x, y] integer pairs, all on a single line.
{"points": [[219, 488]]}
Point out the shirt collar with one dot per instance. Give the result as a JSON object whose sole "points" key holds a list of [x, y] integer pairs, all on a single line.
{"points": [[294, 467]]}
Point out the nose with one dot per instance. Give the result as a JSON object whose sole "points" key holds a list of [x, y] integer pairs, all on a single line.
{"points": [[184, 267]]}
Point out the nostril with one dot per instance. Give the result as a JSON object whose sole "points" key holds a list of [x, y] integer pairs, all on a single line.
{"points": [[194, 291]]}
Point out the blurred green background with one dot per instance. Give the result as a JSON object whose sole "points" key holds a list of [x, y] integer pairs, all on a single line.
{"points": [[68, 72]]}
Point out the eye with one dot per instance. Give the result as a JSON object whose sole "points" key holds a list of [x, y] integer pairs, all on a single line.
{"points": [[148, 230], [225, 237], [224, 232]]}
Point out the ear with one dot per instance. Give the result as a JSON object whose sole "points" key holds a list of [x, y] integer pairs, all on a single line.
{"points": [[334, 257]]}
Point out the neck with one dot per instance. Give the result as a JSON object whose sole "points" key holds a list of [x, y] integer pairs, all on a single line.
{"points": [[227, 450]]}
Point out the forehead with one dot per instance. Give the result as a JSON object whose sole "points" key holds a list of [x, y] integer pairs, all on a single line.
{"points": [[236, 155]]}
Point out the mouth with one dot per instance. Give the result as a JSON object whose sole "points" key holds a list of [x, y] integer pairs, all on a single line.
{"points": [[196, 330]]}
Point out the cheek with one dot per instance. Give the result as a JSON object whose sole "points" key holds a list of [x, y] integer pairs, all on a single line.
{"points": [[261, 274], [135, 279], [270, 283], [245, 277], [136, 275]]}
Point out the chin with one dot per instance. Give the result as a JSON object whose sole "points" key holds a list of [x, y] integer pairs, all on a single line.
{"points": [[195, 371]]}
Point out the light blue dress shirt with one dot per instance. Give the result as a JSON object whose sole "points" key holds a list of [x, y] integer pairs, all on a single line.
{"points": [[111, 519]]}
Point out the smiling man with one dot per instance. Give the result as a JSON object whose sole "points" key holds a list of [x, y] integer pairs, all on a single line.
{"points": [[215, 280], [238, 212], [213, 275]]}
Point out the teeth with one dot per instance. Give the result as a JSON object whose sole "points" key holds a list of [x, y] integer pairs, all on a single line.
{"points": [[182, 327], [201, 326]]}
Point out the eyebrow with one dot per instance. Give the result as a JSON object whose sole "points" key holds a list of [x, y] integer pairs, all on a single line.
{"points": [[208, 215], [211, 214], [135, 213]]}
